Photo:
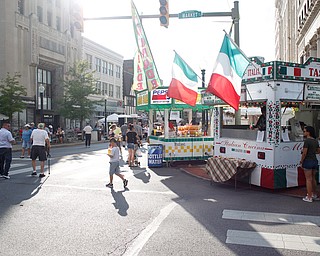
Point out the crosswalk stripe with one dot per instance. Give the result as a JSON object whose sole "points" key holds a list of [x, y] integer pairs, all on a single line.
{"points": [[280, 241], [272, 217], [17, 165], [15, 172]]}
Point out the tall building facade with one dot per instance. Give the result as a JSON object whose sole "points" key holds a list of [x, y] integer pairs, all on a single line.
{"points": [[39, 39], [107, 66], [297, 30], [129, 97]]}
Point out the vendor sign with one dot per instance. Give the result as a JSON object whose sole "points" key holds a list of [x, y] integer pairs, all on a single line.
{"points": [[155, 155], [159, 96], [142, 98]]}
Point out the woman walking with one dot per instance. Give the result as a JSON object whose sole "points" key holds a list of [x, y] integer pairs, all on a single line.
{"points": [[132, 137], [309, 162], [26, 144]]}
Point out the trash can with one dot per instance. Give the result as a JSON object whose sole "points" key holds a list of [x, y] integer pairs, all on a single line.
{"points": [[94, 135], [99, 135], [155, 155]]}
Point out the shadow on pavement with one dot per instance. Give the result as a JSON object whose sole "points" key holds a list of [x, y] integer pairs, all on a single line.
{"points": [[143, 175], [120, 203], [12, 195]]}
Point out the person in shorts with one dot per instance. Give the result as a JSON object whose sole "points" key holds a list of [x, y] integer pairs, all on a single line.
{"points": [[39, 138], [26, 145], [309, 162], [114, 154]]}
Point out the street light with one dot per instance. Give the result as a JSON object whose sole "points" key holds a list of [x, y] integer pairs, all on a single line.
{"points": [[105, 115], [204, 113], [41, 91]]}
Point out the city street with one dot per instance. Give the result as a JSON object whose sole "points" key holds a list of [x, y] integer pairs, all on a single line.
{"points": [[164, 211]]}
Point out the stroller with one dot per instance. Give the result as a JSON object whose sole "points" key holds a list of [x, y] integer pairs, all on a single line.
{"points": [[137, 154]]}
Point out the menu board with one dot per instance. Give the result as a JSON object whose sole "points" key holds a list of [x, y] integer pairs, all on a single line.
{"points": [[312, 92]]}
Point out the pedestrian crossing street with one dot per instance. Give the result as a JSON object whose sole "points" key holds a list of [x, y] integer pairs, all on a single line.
{"points": [[273, 240]]}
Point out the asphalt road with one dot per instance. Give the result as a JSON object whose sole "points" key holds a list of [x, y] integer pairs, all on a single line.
{"points": [[164, 211]]}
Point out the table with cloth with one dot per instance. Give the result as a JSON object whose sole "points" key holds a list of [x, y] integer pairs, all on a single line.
{"points": [[222, 169]]}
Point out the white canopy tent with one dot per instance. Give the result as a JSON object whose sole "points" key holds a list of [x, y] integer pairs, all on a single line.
{"points": [[114, 118]]}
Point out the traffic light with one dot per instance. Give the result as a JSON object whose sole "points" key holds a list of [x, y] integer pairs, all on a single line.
{"points": [[164, 13]]}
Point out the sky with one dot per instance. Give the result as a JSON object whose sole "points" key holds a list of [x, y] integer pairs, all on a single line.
{"points": [[196, 40]]}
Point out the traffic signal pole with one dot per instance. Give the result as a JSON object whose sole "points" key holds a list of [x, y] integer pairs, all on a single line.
{"points": [[234, 14]]}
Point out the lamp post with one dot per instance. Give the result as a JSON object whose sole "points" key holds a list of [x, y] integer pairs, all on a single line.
{"points": [[41, 91], [105, 116], [204, 121]]}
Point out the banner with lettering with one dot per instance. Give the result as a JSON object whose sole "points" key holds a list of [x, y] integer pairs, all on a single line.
{"points": [[139, 78], [149, 66]]}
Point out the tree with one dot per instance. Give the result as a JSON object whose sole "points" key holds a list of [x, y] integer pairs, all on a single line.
{"points": [[79, 84], [11, 93]]}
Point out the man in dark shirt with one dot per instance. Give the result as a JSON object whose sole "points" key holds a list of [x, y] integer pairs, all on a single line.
{"points": [[262, 121]]}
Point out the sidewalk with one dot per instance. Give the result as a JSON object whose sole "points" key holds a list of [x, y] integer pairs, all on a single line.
{"points": [[200, 172]]}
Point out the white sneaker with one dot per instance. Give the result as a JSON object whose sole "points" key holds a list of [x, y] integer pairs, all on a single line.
{"points": [[307, 199], [6, 177], [315, 197]]}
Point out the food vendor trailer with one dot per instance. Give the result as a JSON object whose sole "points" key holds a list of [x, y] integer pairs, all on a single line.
{"points": [[279, 86], [187, 142]]}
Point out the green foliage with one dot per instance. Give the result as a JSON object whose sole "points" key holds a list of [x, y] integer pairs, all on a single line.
{"points": [[11, 93], [78, 84]]}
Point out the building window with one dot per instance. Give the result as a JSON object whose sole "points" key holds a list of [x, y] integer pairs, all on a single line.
{"points": [[105, 88], [44, 79], [118, 71], [118, 92], [98, 87], [21, 7], [58, 21], [98, 64], [104, 67], [39, 13], [49, 19], [110, 69], [111, 90], [89, 60]]}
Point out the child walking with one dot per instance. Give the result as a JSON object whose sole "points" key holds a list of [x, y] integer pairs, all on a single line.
{"points": [[114, 154]]}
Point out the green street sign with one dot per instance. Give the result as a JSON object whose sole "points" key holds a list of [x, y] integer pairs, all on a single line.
{"points": [[189, 14]]}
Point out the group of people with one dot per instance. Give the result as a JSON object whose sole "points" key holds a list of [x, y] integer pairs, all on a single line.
{"points": [[36, 139]]}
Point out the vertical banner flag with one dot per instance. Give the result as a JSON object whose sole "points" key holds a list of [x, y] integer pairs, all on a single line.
{"points": [[184, 83], [149, 66], [225, 81], [139, 78]]}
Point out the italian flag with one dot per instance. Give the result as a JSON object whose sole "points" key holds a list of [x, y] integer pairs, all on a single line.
{"points": [[225, 81], [184, 83]]}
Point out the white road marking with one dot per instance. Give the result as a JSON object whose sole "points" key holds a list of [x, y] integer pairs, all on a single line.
{"points": [[145, 235], [272, 217], [274, 240]]}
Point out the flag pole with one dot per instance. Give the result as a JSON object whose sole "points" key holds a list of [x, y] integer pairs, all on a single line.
{"points": [[189, 66]]}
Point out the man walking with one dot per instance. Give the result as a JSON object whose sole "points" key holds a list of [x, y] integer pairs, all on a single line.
{"points": [[87, 131], [138, 129], [39, 137], [6, 141], [124, 129]]}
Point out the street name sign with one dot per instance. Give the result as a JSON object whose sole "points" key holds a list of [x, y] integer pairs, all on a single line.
{"points": [[190, 14]]}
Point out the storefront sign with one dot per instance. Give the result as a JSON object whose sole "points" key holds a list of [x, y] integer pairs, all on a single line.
{"points": [[155, 155]]}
